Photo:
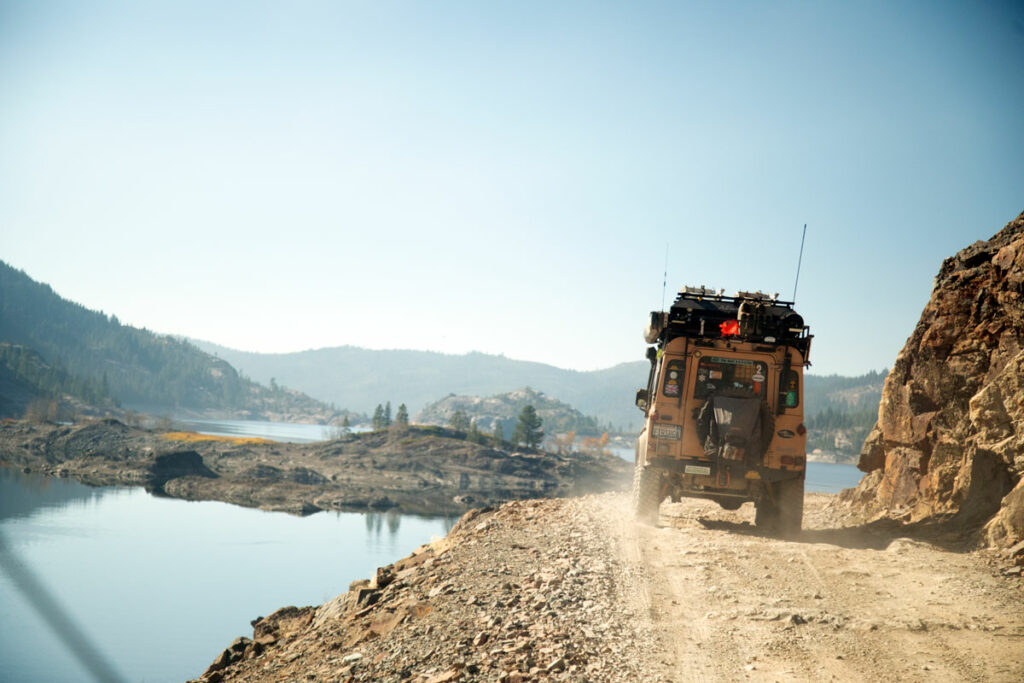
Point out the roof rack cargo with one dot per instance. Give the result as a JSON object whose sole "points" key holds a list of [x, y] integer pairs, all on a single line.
{"points": [[703, 313]]}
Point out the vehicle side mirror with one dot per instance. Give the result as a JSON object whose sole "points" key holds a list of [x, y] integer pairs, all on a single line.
{"points": [[652, 354], [641, 399]]}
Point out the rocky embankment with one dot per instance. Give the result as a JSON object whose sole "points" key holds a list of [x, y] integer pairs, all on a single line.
{"points": [[574, 590], [949, 443], [429, 471], [531, 589]]}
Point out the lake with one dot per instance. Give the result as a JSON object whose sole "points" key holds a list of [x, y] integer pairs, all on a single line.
{"points": [[160, 586], [275, 431]]}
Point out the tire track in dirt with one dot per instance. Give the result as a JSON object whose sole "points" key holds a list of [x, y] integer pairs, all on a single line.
{"points": [[857, 603]]}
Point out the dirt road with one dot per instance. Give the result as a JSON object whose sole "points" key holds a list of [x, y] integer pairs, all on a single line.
{"points": [[862, 603], [575, 590]]}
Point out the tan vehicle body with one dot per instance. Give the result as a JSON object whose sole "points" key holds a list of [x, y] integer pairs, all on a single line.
{"points": [[674, 457]]}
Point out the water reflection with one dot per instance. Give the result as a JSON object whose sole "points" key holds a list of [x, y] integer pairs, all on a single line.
{"points": [[22, 494], [162, 585], [376, 522]]}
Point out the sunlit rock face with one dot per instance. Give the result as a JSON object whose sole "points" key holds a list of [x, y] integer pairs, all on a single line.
{"points": [[949, 441]]}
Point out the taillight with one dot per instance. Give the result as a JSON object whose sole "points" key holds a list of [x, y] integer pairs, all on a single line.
{"points": [[800, 429]]}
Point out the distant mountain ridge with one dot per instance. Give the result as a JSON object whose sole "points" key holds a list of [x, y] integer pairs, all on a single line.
{"points": [[95, 353], [361, 378]]}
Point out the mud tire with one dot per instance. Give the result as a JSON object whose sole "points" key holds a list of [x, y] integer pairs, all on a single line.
{"points": [[790, 496], [646, 495], [766, 515]]}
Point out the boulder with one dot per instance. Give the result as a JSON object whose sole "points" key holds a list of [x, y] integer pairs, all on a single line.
{"points": [[164, 467], [949, 441]]}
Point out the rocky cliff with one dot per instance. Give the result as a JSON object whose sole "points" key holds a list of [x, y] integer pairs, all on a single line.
{"points": [[949, 441]]}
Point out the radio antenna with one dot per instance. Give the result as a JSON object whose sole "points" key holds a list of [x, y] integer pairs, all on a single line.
{"points": [[799, 262], [664, 279]]}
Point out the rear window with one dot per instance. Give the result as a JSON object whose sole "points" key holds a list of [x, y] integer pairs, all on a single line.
{"points": [[737, 374], [791, 389]]}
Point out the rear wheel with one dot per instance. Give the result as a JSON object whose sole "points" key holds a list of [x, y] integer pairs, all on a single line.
{"points": [[646, 495], [766, 514], [790, 495]]}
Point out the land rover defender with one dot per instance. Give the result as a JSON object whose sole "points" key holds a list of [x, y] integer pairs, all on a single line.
{"points": [[724, 407]]}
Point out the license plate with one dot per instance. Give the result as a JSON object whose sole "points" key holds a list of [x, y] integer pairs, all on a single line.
{"points": [[697, 469], [672, 432]]}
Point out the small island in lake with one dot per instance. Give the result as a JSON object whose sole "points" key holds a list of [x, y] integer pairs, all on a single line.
{"points": [[425, 470]]}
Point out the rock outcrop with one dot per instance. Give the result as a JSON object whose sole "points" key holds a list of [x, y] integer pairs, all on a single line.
{"points": [[949, 442]]}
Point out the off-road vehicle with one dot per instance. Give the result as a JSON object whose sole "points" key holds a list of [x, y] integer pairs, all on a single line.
{"points": [[724, 406]]}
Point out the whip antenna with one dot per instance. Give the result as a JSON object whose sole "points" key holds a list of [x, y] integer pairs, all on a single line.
{"points": [[664, 279], [799, 262]]}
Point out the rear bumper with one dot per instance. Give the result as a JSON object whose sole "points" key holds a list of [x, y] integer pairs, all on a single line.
{"points": [[703, 474]]}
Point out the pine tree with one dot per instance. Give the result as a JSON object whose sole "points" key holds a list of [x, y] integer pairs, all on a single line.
{"points": [[459, 421], [387, 414], [474, 435], [378, 417], [528, 430], [402, 416]]}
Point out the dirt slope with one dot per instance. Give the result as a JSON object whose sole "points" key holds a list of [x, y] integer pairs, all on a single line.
{"points": [[574, 590]]}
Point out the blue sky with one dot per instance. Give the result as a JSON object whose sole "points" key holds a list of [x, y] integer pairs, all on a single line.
{"points": [[503, 177]]}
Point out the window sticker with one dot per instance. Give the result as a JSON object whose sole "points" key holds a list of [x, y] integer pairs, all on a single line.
{"points": [[674, 378]]}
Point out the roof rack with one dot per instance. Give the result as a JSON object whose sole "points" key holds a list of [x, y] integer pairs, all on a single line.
{"points": [[706, 313]]}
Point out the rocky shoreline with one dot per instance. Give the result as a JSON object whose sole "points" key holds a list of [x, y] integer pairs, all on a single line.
{"points": [[413, 470], [498, 599]]}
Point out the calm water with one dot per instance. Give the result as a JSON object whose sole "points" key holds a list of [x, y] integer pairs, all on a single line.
{"points": [[275, 431], [160, 586], [827, 477]]}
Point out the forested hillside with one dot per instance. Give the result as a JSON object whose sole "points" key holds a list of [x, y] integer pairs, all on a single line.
{"points": [[95, 357], [840, 411]]}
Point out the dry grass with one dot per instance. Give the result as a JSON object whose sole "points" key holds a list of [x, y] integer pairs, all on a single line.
{"points": [[189, 437]]}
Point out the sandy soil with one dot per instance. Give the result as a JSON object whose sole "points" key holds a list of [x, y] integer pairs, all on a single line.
{"points": [[846, 603]]}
